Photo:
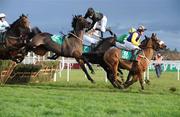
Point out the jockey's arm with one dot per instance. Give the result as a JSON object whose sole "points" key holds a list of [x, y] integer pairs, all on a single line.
{"points": [[6, 24], [133, 40], [93, 25]]}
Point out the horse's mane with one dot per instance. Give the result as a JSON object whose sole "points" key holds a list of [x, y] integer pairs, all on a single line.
{"points": [[75, 18], [144, 42], [13, 24]]}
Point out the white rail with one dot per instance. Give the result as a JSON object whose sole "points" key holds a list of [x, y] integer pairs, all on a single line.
{"points": [[171, 65]]}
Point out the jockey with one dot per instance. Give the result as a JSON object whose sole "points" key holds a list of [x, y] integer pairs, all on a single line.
{"points": [[3, 23], [133, 41], [120, 40], [99, 22]]}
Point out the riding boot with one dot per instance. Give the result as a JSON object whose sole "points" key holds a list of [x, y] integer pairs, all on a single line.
{"points": [[93, 46], [109, 30], [134, 53], [101, 34], [132, 57]]}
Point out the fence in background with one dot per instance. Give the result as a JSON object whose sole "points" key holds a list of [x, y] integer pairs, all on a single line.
{"points": [[67, 63]]}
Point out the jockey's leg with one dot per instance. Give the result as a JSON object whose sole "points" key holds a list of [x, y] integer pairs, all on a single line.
{"points": [[120, 46], [101, 34], [89, 40], [103, 25]]}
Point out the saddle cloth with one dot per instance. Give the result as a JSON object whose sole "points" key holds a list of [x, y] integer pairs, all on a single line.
{"points": [[58, 39], [128, 55]]}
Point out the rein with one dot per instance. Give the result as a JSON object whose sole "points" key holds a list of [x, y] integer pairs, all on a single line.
{"points": [[13, 37], [75, 36], [144, 56]]}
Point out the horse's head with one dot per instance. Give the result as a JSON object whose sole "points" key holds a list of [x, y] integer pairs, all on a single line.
{"points": [[79, 23], [152, 42], [21, 26]]}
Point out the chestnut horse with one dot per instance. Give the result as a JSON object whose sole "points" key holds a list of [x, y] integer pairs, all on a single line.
{"points": [[72, 46], [113, 58], [14, 40]]}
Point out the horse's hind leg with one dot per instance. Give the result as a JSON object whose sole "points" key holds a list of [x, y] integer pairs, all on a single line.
{"points": [[121, 74], [81, 63], [54, 57], [108, 73], [111, 79], [53, 47], [129, 76], [129, 83], [114, 67], [88, 64]]}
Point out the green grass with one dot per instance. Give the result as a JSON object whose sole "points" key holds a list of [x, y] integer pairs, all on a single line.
{"points": [[80, 98]]}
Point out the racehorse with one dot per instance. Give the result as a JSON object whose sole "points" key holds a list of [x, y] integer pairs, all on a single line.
{"points": [[113, 58], [14, 40], [72, 46]]}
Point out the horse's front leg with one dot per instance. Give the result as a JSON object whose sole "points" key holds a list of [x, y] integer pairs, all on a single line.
{"points": [[141, 81], [81, 63]]}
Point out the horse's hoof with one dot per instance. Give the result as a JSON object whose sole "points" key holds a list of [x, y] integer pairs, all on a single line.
{"points": [[50, 57], [125, 85], [122, 86], [92, 81], [147, 82], [92, 72]]}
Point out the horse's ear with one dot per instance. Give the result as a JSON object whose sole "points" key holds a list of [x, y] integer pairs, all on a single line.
{"points": [[23, 15], [145, 37], [153, 35]]}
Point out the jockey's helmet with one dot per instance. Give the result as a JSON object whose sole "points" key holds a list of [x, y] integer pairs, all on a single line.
{"points": [[2, 15], [90, 11], [131, 30], [141, 28]]}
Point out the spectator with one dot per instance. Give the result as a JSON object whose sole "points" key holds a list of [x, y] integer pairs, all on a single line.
{"points": [[158, 64]]}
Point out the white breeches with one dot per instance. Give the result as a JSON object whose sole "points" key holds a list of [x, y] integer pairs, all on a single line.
{"points": [[87, 40], [101, 24], [120, 45], [130, 46]]}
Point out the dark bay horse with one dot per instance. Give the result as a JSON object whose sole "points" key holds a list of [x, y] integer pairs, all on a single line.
{"points": [[113, 58], [14, 39], [72, 46], [96, 56]]}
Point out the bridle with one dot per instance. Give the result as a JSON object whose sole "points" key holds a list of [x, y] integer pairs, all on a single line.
{"points": [[75, 35]]}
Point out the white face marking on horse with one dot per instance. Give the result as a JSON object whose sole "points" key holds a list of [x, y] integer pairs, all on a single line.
{"points": [[161, 42]]}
